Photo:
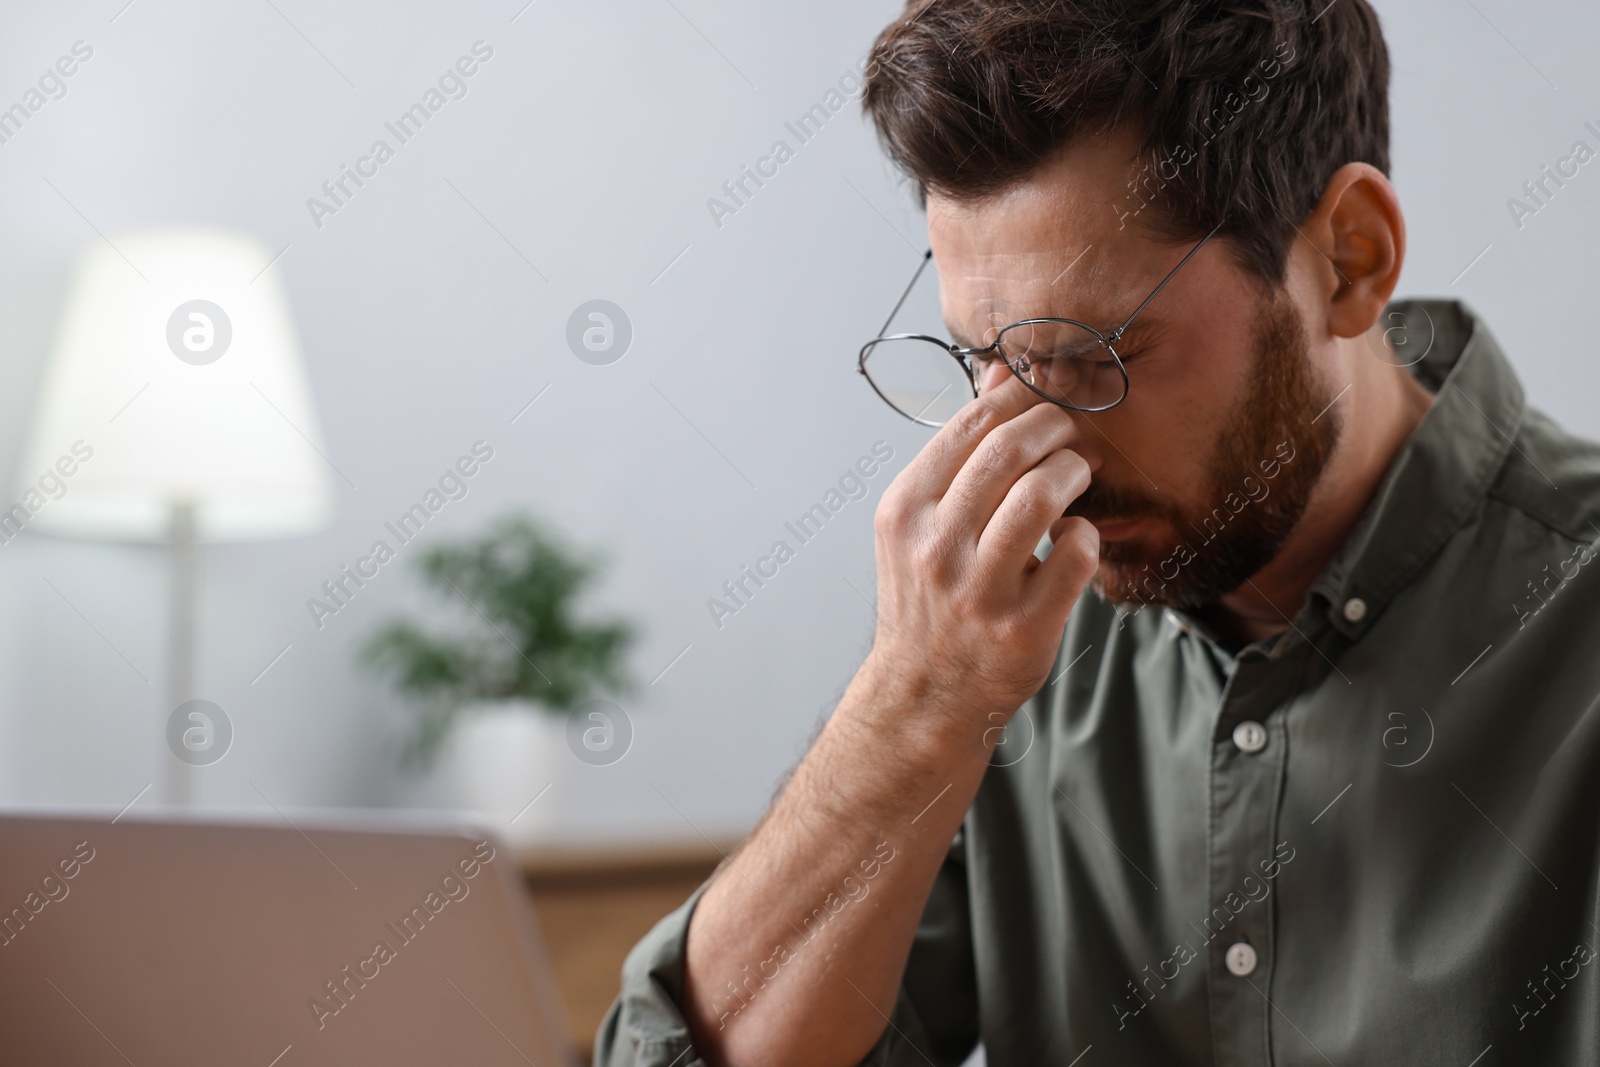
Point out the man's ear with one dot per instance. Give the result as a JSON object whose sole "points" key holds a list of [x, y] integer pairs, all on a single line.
{"points": [[1360, 231]]}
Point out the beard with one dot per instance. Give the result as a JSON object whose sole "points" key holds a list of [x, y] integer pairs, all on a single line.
{"points": [[1274, 446]]}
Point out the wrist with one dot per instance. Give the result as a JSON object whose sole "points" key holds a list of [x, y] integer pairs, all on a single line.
{"points": [[917, 717]]}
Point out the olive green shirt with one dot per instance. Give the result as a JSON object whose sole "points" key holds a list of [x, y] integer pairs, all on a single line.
{"points": [[1371, 840]]}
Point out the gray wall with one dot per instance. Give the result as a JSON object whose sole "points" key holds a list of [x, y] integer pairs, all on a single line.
{"points": [[592, 141]]}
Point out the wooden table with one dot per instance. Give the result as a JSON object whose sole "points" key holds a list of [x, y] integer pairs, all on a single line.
{"points": [[593, 905]]}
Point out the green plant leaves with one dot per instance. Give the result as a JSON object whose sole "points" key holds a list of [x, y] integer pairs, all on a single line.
{"points": [[519, 586]]}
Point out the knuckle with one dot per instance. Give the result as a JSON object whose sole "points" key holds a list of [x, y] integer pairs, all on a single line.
{"points": [[890, 515], [1028, 498], [1081, 542], [975, 420], [1015, 631], [1078, 470], [1000, 452]]}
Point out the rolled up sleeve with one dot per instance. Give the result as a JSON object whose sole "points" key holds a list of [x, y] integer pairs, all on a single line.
{"points": [[935, 1017], [645, 1026]]}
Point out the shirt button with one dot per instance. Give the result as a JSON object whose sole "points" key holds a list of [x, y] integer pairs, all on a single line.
{"points": [[1241, 959], [1355, 609], [1250, 736]]}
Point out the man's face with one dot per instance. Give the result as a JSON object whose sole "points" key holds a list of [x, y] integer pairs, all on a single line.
{"points": [[1210, 460]]}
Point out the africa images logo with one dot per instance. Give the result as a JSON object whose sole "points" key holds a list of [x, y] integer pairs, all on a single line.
{"points": [[337, 192], [852, 485], [339, 992]]}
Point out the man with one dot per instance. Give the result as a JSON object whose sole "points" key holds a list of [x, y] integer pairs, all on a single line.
{"points": [[1302, 707]]}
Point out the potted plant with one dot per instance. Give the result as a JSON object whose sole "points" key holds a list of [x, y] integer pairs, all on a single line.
{"points": [[492, 699]]}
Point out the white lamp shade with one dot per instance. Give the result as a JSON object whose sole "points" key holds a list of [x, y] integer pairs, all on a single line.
{"points": [[136, 379]]}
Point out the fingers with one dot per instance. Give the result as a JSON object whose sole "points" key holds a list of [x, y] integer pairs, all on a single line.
{"points": [[999, 462], [935, 468], [1032, 505], [1055, 585]]}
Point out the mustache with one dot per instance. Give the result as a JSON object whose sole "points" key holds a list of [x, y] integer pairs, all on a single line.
{"points": [[1103, 502]]}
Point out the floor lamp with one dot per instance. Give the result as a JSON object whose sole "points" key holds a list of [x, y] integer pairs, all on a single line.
{"points": [[176, 392]]}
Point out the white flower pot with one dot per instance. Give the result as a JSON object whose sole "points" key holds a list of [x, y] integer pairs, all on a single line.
{"points": [[496, 759]]}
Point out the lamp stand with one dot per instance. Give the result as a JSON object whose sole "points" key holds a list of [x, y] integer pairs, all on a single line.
{"points": [[181, 596]]}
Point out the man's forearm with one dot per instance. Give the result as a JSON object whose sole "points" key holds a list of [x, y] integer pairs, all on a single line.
{"points": [[796, 952]]}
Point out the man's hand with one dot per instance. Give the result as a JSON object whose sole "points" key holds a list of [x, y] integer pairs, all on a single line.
{"points": [[969, 622], [969, 619]]}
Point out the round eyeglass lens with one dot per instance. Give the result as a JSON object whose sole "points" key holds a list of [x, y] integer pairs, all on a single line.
{"points": [[1066, 362], [919, 377]]}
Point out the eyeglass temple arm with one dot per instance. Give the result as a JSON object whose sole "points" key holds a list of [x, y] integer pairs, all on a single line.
{"points": [[1129, 320], [926, 258]]}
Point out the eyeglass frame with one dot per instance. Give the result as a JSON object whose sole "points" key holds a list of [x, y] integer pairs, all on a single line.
{"points": [[963, 356]]}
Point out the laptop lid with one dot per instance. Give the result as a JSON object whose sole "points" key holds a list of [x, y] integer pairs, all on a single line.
{"points": [[332, 940]]}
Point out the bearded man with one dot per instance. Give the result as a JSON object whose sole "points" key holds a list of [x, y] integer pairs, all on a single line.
{"points": [[1228, 702]]}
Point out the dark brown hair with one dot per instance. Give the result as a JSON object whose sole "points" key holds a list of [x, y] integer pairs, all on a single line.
{"points": [[1247, 106]]}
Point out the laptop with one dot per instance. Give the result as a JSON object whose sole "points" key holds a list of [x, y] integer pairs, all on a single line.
{"points": [[331, 939]]}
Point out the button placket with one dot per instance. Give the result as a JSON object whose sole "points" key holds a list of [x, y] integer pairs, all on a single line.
{"points": [[1245, 784]]}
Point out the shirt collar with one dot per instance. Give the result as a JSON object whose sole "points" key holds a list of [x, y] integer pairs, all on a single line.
{"points": [[1438, 477], [1444, 470]]}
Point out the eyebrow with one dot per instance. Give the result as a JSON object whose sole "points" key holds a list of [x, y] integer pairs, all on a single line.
{"points": [[957, 336], [1147, 322]]}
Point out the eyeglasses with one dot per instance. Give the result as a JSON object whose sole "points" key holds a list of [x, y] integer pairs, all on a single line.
{"points": [[928, 379]]}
